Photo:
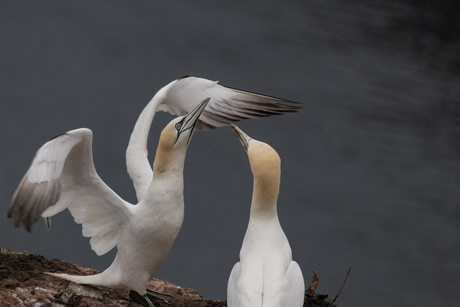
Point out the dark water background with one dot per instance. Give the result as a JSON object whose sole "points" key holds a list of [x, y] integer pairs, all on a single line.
{"points": [[370, 166]]}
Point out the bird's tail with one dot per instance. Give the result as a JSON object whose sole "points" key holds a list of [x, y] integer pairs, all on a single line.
{"points": [[96, 279]]}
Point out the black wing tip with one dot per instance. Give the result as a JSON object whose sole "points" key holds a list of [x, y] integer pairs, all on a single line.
{"points": [[23, 207], [263, 95], [18, 220], [56, 136], [284, 101], [10, 212]]}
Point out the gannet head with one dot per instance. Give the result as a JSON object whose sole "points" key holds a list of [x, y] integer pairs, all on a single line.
{"points": [[176, 136], [265, 165]]}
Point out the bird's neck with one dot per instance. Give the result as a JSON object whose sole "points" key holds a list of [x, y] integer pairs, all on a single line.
{"points": [[264, 226], [168, 162], [166, 188], [137, 162], [264, 200]]}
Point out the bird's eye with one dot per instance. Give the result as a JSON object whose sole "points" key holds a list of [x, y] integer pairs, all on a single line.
{"points": [[178, 126]]}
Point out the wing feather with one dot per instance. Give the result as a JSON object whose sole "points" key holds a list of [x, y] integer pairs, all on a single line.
{"points": [[239, 292], [290, 289], [62, 175], [227, 104]]}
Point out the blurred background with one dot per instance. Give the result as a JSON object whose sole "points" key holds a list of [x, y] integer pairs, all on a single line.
{"points": [[370, 165]]}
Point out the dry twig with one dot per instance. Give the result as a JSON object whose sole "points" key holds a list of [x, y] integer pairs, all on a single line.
{"points": [[341, 288]]}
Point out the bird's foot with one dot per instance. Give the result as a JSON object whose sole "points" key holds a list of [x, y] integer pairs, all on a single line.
{"points": [[150, 298], [158, 295], [47, 222]]}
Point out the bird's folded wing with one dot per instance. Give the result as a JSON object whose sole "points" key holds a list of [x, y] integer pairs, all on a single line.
{"points": [[227, 105], [243, 291], [62, 175], [291, 288]]}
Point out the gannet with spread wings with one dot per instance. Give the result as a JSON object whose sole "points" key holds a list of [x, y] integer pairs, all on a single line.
{"points": [[62, 175]]}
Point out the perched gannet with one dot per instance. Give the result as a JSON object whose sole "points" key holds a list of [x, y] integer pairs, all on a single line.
{"points": [[62, 175], [179, 97], [266, 275]]}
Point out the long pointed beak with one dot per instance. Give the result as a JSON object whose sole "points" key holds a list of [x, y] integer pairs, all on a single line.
{"points": [[192, 117], [243, 137]]}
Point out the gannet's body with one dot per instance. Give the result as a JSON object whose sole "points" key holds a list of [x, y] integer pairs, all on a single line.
{"points": [[266, 276], [62, 175]]}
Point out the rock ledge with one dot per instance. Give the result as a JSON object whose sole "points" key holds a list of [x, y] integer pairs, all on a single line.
{"points": [[23, 283]]}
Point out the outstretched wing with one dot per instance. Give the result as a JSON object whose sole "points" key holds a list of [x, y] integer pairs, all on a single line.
{"points": [[179, 97], [227, 105], [62, 175]]}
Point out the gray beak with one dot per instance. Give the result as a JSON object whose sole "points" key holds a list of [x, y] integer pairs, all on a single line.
{"points": [[243, 137], [189, 121]]}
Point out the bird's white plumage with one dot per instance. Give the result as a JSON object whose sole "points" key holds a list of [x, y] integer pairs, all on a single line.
{"points": [[49, 160], [266, 276]]}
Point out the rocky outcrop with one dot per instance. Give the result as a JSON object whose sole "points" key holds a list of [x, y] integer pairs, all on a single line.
{"points": [[24, 283]]}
